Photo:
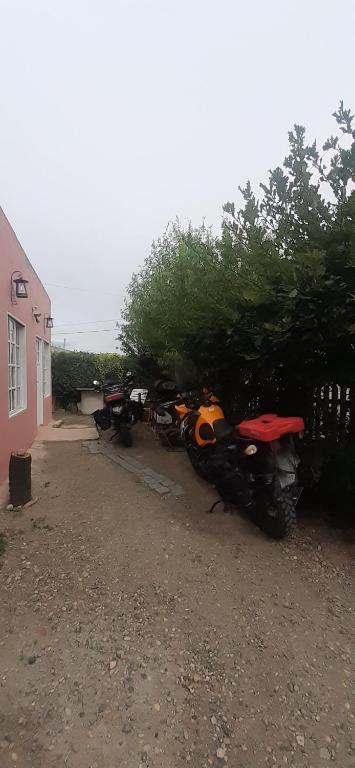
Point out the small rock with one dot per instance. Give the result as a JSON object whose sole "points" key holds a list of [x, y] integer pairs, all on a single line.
{"points": [[9, 508], [113, 664], [300, 740], [32, 659], [186, 735], [221, 753], [213, 720], [324, 753], [13, 756], [126, 728], [157, 707], [67, 711]]}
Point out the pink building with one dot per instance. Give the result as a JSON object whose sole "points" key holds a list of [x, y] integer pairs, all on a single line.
{"points": [[25, 374]]}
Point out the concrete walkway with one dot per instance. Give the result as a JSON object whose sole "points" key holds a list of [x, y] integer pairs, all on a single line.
{"points": [[64, 433], [154, 480]]}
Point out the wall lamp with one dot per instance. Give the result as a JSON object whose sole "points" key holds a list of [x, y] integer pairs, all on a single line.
{"points": [[18, 286], [49, 321]]}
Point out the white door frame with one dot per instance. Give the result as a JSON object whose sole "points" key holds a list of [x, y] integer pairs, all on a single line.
{"points": [[39, 379]]}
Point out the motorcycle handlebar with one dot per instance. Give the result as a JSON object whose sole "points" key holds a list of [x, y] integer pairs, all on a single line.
{"points": [[161, 410]]}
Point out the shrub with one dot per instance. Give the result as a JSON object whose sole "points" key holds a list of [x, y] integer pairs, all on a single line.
{"points": [[73, 370]]}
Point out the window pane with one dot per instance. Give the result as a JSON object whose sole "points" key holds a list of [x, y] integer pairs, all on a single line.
{"points": [[16, 365], [11, 327], [11, 353]]}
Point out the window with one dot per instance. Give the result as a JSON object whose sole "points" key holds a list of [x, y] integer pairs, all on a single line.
{"points": [[46, 369], [17, 366]]}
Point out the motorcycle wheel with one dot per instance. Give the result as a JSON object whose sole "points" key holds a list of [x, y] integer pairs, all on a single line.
{"points": [[276, 514], [125, 435], [198, 465]]}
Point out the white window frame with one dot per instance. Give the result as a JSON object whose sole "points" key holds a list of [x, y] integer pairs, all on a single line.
{"points": [[46, 368], [16, 366]]}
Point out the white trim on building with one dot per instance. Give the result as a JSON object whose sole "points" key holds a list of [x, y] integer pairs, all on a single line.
{"points": [[17, 366]]}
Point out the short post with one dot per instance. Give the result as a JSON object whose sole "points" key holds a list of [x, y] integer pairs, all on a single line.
{"points": [[20, 478]]}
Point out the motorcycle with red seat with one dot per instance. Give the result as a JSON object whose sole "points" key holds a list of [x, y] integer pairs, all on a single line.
{"points": [[253, 466], [119, 412]]}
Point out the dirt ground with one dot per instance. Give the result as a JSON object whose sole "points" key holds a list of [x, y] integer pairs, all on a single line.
{"points": [[136, 631]]}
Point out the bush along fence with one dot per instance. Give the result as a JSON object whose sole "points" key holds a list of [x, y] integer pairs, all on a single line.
{"points": [[73, 370]]}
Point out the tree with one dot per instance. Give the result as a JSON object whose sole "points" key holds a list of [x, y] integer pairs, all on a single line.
{"points": [[271, 300]]}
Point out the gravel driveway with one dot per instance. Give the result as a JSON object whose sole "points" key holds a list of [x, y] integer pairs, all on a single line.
{"points": [[135, 630]]}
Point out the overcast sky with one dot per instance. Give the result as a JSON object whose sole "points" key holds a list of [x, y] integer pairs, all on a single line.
{"points": [[119, 115]]}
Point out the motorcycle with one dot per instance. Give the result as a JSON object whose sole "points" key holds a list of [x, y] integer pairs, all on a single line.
{"points": [[165, 425], [253, 465], [119, 412]]}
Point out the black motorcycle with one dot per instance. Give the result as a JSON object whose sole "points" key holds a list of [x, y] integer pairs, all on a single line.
{"points": [[254, 465], [120, 412]]}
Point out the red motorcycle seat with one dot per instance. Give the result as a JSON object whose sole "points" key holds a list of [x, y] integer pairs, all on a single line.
{"points": [[115, 396], [270, 427]]}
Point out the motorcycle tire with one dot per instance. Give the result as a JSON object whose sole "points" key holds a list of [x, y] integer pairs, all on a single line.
{"points": [[276, 514], [125, 435], [198, 465]]}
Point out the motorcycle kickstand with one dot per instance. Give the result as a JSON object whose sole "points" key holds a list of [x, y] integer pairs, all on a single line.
{"points": [[226, 507]]}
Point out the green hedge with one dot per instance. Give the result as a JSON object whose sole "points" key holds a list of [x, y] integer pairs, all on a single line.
{"points": [[71, 370]]}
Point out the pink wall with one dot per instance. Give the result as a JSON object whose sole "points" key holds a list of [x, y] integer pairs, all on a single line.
{"points": [[19, 430]]}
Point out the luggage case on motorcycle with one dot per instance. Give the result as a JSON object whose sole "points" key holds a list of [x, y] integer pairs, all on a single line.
{"points": [[269, 427], [101, 419]]}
